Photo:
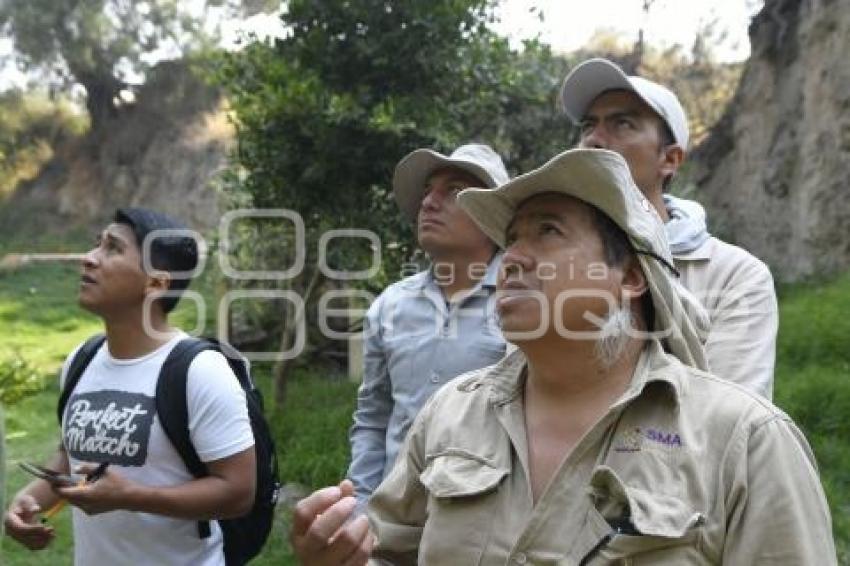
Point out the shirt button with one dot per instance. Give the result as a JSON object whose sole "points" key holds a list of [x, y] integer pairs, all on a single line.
{"points": [[520, 558]]}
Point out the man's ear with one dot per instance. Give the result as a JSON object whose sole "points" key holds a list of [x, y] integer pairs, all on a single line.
{"points": [[671, 159], [634, 283], [158, 282]]}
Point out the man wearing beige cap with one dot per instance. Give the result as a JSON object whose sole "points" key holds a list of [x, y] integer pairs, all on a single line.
{"points": [[428, 328], [645, 123], [599, 440]]}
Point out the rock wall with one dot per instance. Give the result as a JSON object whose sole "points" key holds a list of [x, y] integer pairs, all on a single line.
{"points": [[165, 151], [775, 170]]}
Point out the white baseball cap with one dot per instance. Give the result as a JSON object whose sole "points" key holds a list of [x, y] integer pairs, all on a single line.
{"points": [[593, 77], [413, 170]]}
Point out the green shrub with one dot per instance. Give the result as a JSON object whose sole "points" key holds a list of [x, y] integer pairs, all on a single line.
{"points": [[18, 379]]}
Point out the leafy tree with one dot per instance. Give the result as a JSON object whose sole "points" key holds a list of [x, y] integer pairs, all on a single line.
{"points": [[99, 43], [31, 128], [523, 119], [324, 115]]}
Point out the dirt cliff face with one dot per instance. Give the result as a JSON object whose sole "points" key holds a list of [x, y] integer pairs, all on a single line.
{"points": [[774, 172], [165, 151]]}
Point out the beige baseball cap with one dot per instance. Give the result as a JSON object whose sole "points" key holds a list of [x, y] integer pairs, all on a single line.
{"points": [[593, 77], [413, 170], [601, 178]]}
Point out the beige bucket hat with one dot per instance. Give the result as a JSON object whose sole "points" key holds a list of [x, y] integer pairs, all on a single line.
{"points": [[601, 178], [413, 170]]}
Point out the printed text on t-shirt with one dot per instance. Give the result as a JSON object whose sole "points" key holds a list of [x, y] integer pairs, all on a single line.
{"points": [[109, 425]]}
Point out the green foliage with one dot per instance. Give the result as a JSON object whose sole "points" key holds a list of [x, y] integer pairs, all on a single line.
{"points": [[324, 115], [32, 434], [36, 298], [102, 43], [317, 414], [524, 120], [33, 226], [815, 309], [812, 385], [18, 380], [31, 127]]}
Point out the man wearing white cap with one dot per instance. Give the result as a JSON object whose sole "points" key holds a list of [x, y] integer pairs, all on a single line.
{"points": [[428, 328], [599, 440], [645, 123]]}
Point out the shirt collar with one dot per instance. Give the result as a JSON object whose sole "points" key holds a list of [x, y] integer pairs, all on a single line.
{"points": [[655, 366], [489, 279], [507, 377]]}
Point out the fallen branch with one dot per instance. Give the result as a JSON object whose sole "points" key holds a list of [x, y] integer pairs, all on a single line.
{"points": [[11, 262]]}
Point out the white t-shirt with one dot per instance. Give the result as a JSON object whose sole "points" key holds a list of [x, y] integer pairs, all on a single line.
{"points": [[111, 415]]}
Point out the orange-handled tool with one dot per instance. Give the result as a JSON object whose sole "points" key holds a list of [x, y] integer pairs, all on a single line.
{"points": [[53, 510], [94, 476]]}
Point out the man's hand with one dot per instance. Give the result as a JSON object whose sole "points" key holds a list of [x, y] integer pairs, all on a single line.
{"points": [[108, 493], [320, 535], [22, 524]]}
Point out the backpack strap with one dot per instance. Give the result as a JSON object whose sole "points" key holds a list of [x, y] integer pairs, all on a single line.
{"points": [[173, 410], [78, 365]]}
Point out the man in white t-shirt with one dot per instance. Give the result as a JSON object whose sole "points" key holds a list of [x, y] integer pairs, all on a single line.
{"points": [[146, 507]]}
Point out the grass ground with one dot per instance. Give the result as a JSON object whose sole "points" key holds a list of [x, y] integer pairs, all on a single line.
{"points": [[42, 323], [813, 385]]}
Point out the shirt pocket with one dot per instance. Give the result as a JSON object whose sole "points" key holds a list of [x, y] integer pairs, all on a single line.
{"points": [[646, 527], [400, 354], [462, 501]]}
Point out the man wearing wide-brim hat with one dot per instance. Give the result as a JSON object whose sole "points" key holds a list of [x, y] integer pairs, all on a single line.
{"points": [[426, 329], [598, 441]]}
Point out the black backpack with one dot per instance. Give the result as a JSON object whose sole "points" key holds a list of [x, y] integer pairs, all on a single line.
{"points": [[244, 536]]}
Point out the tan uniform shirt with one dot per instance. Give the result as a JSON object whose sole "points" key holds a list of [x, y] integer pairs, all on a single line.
{"points": [[690, 469], [737, 291]]}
